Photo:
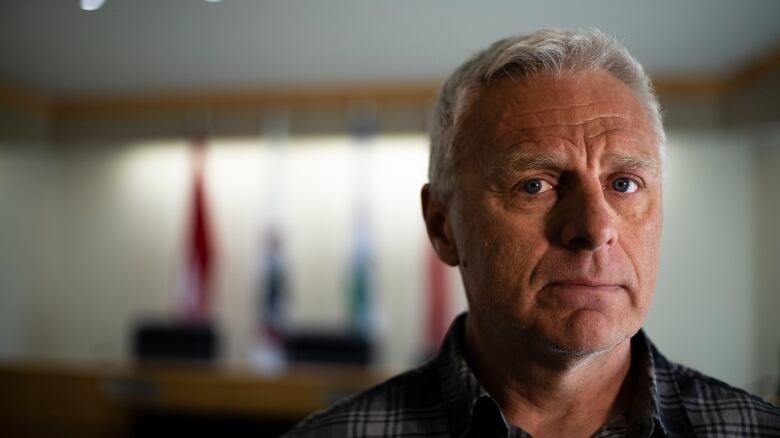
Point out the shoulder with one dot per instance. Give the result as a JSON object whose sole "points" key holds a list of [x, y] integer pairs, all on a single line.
{"points": [[383, 410], [717, 408]]}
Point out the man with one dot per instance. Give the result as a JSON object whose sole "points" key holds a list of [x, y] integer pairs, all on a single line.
{"points": [[546, 171]]}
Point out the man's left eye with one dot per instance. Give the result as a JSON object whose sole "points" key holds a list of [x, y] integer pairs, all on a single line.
{"points": [[625, 185]]}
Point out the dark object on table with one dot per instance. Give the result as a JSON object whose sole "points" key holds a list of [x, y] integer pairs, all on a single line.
{"points": [[318, 346], [168, 340]]}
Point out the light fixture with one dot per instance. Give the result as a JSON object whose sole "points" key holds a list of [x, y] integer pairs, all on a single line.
{"points": [[91, 5]]}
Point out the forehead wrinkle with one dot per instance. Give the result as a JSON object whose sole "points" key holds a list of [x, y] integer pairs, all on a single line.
{"points": [[518, 103], [611, 131], [527, 126], [518, 108]]}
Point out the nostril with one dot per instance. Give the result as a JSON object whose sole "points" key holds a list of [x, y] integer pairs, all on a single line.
{"points": [[579, 243]]}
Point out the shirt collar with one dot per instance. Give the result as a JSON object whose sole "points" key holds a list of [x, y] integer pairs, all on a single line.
{"points": [[644, 412], [666, 399], [459, 385], [464, 392]]}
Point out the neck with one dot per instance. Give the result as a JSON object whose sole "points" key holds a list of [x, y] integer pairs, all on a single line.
{"points": [[552, 393]]}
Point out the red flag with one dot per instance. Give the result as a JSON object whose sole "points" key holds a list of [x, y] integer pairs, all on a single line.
{"points": [[199, 252], [437, 301]]}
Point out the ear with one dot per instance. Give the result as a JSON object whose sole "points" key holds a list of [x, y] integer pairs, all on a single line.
{"points": [[436, 216]]}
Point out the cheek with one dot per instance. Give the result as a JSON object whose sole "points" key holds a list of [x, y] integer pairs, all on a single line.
{"points": [[651, 244], [647, 234], [501, 253], [641, 241], [635, 207], [641, 222]]}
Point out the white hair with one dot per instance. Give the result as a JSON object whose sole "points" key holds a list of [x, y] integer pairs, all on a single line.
{"points": [[544, 51]]}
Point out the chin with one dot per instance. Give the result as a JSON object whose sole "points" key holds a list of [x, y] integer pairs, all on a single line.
{"points": [[587, 333]]}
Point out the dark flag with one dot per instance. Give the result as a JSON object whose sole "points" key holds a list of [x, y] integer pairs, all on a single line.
{"points": [[268, 352]]}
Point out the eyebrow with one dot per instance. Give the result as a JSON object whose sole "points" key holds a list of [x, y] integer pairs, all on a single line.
{"points": [[526, 161], [633, 161], [522, 161]]}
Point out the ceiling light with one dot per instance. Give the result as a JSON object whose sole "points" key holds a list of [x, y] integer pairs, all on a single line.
{"points": [[91, 5]]}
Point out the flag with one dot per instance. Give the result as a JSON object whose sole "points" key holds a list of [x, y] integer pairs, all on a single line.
{"points": [[268, 350], [361, 307], [437, 305], [268, 353], [364, 312], [197, 269]]}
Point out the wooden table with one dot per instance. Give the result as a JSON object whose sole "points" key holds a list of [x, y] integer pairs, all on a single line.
{"points": [[98, 399]]}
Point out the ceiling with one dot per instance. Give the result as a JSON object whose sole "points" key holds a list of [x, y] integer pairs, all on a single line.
{"points": [[150, 45]]}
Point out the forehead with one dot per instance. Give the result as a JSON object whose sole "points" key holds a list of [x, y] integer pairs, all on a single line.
{"points": [[570, 109]]}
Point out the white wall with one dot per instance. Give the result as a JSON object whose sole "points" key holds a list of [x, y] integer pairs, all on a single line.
{"points": [[766, 199], [23, 170], [102, 247], [704, 308]]}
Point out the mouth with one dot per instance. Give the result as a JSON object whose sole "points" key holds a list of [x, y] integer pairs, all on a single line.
{"points": [[583, 293], [585, 283]]}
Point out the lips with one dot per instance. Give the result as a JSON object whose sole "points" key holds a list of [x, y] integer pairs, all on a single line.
{"points": [[589, 293], [585, 282]]}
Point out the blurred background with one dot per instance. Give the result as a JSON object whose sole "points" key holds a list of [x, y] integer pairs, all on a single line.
{"points": [[237, 182]]}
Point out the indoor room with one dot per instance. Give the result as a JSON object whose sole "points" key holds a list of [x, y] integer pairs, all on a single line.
{"points": [[210, 212]]}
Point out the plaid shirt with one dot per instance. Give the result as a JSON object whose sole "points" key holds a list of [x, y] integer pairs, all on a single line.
{"points": [[444, 399]]}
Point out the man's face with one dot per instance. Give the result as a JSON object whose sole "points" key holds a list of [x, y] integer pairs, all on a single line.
{"points": [[556, 215]]}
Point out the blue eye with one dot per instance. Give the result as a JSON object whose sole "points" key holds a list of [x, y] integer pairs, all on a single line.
{"points": [[534, 186], [624, 185]]}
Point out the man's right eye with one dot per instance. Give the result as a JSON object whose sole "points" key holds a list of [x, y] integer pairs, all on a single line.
{"points": [[535, 186]]}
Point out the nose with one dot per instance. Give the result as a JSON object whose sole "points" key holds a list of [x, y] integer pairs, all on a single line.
{"points": [[588, 220]]}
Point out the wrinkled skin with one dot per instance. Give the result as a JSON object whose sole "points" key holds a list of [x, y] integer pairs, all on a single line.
{"points": [[556, 217]]}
